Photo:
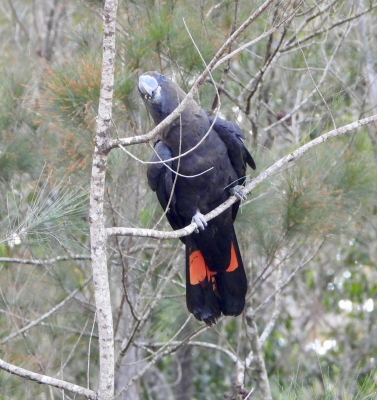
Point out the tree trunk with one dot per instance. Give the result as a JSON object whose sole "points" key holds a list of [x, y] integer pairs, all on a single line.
{"points": [[96, 218]]}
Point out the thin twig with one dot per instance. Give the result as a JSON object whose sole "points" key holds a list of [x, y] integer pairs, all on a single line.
{"points": [[154, 360], [89, 349], [146, 311], [170, 159], [305, 260], [207, 345], [190, 95], [287, 20], [46, 315], [327, 67], [258, 357], [42, 262], [275, 315], [313, 92], [73, 348], [53, 326], [22, 26], [326, 30]]}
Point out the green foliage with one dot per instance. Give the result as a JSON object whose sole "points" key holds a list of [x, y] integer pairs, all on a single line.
{"points": [[48, 111], [74, 90], [43, 215], [16, 156], [162, 34], [124, 89], [324, 388], [17, 128], [316, 196], [11, 91]]}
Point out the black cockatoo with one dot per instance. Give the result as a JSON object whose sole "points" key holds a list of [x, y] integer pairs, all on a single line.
{"points": [[215, 277]]}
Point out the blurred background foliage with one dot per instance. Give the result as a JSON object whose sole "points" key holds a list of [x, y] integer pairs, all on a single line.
{"points": [[315, 222]]}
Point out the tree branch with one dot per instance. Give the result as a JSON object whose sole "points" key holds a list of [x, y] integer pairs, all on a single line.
{"points": [[22, 26], [298, 153], [286, 21], [276, 313], [53, 326], [260, 367], [305, 260], [33, 376], [299, 42], [42, 262], [199, 81], [316, 87], [46, 315], [193, 343]]}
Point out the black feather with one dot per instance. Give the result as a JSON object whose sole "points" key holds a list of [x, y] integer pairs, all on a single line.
{"points": [[216, 279]]}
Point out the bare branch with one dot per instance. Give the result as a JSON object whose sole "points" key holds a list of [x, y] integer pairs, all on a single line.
{"points": [[173, 158], [38, 378], [213, 8], [46, 315], [248, 188], [162, 353], [329, 62], [22, 26], [275, 315], [260, 367], [53, 326], [325, 30], [207, 345], [303, 262], [265, 34], [199, 81], [42, 262], [316, 87], [146, 311]]}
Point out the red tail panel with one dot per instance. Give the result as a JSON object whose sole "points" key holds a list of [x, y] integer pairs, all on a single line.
{"points": [[210, 293], [198, 269], [233, 265]]}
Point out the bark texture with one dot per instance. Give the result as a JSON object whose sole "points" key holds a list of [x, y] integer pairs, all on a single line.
{"points": [[96, 217]]}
